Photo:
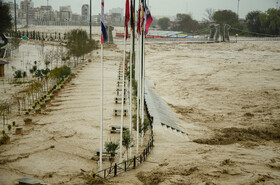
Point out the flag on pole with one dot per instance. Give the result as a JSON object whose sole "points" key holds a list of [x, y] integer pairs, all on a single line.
{"points": [[142, 19], [132, 21], [127, 14], [139, 20], [149, 20], [103, 29]]}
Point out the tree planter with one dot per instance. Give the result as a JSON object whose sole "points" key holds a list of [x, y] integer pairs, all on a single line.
{"points": [[52, 97], [5, 140], [48, 101], [18, 130], [43, 106], [38, 111], [27, 121], [55, 92]]}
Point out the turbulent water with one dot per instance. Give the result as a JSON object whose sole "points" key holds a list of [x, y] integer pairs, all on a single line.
{"points": [[226, 96]]}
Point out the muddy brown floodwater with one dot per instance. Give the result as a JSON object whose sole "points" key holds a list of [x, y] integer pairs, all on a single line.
{"points": [[58, 146], [227, 97]]}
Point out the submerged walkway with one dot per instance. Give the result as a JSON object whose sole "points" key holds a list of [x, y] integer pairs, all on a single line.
{"points": [[162, 114], [62, 139]]}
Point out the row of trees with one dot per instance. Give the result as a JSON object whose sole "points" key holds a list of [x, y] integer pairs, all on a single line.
{"points": [[256, 22], [264, 22], [31, 93]]}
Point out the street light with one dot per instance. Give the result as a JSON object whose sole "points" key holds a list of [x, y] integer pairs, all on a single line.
{"points": [[15, 7], [238, 9], [90, 19]]}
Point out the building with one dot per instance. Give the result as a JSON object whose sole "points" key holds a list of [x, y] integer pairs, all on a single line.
{"points": [[85, 13], [76, 19], [65, 13], [45, 13], [116, 11], [26, 12], [26, 4], [116, 19]]}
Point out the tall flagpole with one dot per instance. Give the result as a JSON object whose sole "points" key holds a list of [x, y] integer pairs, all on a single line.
{"points": [[142, 73], [101, 116], [130, 95], [138, 96], [90, 35], [132, 56], [103, 38], [121, 133], [139, 79]]}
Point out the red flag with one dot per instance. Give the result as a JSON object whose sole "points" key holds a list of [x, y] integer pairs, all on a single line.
{"points": [[127, 14], [142, 19], [131, 16], [103, 29], [149, 20], [138, 20]]}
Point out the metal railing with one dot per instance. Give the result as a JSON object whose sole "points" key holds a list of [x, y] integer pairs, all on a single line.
{"points": [[129, 164]]}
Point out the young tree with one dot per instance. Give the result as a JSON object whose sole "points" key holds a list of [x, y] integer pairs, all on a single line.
{"points": [[4, 111], [111, 148], [126, 141], [79, 44], [164, 23]]}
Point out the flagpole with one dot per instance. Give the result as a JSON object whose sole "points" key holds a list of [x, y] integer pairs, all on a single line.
{"points": [[142, 74], [138, 97], [137, 73], [121, 132], [101, 116], [130, 96], [103, 38]]}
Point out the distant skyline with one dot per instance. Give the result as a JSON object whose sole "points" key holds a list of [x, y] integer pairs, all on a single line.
{"points": [[168, 8]]}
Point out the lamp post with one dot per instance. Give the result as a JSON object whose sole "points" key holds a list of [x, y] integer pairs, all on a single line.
{"points": [[238, 9], [15, 7], [27, 13], [90, 19]]}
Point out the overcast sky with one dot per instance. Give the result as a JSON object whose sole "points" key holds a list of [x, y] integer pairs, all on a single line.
{"points": [[170, 7]]}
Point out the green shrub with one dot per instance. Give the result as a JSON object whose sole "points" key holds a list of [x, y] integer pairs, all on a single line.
{"points": [[27, 120]]}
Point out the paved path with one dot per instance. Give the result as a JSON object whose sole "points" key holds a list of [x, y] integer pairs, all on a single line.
{"points": [[61, 141]]}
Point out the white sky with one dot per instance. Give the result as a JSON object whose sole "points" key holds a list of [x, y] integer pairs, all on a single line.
{"points": [[169, 7]]}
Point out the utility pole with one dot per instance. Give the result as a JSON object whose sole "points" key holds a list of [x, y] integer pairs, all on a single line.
{"points": [[90, 20], [15, 7], [186, 6], [238, 8], [27, 12]]}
